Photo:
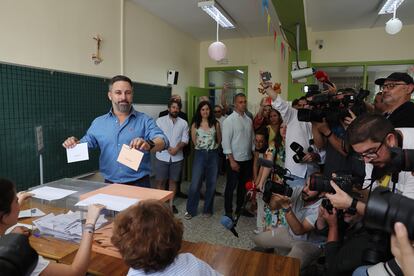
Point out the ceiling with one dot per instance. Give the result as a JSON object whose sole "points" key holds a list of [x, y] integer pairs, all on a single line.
{"points": [[186, 16], [321, 15], [330, 15]]}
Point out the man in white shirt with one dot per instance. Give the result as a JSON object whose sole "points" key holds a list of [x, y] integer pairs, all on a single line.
{"points": [[169, 162], [237, 146], [299, 132]]}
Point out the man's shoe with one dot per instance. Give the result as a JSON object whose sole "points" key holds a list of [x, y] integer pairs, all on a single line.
{"points": [[175, 210], [181, 195]]}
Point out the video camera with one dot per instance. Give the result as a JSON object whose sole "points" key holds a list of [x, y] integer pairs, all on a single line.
{"points": [[385, 208], [332, 107], [273, 187]]}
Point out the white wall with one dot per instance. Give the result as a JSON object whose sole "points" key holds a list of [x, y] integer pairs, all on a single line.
{"points": [[152, 47], [258, 53], [362, 45], [58, 34]]}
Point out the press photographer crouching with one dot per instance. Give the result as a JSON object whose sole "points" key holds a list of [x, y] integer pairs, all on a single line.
{"points": [[349, 243], [298, 239]]}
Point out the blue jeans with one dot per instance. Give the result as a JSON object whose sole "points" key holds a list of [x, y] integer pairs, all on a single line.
{"points": [[205, 164]]}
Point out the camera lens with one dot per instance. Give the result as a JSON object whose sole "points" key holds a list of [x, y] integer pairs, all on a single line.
{"points": [[384, 209]]}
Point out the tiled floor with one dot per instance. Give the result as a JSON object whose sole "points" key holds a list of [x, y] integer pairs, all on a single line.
{"points": [[200, 229]]}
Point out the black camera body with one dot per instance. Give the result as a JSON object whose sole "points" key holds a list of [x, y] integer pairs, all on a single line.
{"points": [[326, 203], [401, 159], [299, 151], [266, 76], [322, 183], [273, 187], [277, 188], [385, 208], [333, 107]]}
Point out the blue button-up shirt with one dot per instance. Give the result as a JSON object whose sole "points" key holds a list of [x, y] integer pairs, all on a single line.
{"points": [[108, 135]]}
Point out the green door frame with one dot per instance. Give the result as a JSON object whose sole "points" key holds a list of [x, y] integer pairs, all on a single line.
{"points": [[227, 68]]}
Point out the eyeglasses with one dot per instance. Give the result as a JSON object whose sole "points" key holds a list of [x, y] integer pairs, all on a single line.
{"points": [[217, 111], [371, 155], [390, 86]]}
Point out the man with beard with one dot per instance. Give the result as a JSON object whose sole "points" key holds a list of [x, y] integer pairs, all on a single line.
{"points": [[122, 125], [372, 136], [297, 240], [396, 96], [169, 162]]}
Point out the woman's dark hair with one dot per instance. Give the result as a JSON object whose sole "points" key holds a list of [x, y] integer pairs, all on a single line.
{"points": [[148, 236], [197, 116], [7, 195]]}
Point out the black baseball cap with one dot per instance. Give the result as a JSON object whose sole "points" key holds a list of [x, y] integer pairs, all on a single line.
{"points": [[396, 76]]}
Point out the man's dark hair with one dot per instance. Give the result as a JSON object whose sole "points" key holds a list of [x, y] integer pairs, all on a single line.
{"points": [[172, 101], [368, 126], [7, 195], [238, 95], [295, 102], [119, 78]]}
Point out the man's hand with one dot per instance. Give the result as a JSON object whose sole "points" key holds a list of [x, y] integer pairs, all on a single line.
{"points": [[21, 230], [70, 142], [140, 144], [234, 166], [402, 249], [339, 200], [22, 197], [172, 151], [311, 157], [331, 219], [349, 119]]}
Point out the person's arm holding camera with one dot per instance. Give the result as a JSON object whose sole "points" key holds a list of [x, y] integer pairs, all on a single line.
{"points": [[297, 227], [329, 136], [341, 200], [402, 249]]}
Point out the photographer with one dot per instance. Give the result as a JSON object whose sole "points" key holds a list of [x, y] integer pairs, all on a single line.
{"points": [[299, 132], [372, 136], [347, 240], [297, 240]]}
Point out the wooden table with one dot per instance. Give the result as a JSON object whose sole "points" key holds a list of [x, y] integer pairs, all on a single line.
{"points": [[226, 260]]}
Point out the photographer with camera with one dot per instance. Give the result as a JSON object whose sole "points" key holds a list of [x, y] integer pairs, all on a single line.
{"points": [[297, 131], [296, 240], [376, 141]]}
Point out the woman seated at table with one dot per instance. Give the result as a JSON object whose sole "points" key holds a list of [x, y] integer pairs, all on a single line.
{"points": [[149, 238], [9, 211]]}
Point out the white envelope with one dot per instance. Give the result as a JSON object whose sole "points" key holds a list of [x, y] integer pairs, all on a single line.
{"points": [[130, 157]]}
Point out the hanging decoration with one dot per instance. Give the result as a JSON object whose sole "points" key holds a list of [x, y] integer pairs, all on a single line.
{"points": [[217, 50]]}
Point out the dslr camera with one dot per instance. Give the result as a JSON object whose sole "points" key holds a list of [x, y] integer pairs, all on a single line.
{"points": [[299, 151], [273, 187]]}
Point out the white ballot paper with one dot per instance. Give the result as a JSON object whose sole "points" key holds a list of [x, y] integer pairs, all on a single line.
{"points": [[28, 226], [50, 193], [34, 212], [78, 153], [130, 157], [111, 202]]}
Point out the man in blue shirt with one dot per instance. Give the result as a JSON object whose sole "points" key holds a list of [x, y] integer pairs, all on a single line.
{"points": [[122, 125]]}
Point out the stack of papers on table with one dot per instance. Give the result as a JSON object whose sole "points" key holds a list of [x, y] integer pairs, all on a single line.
{"points": [[64, 226], [111, 202], [50, 193]]}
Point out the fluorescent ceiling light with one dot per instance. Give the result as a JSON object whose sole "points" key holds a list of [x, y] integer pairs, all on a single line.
{"points": [[217, 13], [240, 71], [388, 7]]}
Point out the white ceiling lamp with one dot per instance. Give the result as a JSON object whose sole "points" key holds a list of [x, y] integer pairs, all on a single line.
{"points": [[389, 5], [394, 25], [216, 12]]}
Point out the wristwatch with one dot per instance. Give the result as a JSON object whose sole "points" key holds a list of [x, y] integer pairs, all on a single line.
{"points": [[150, 143], [287, 210], [352, 210]]}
